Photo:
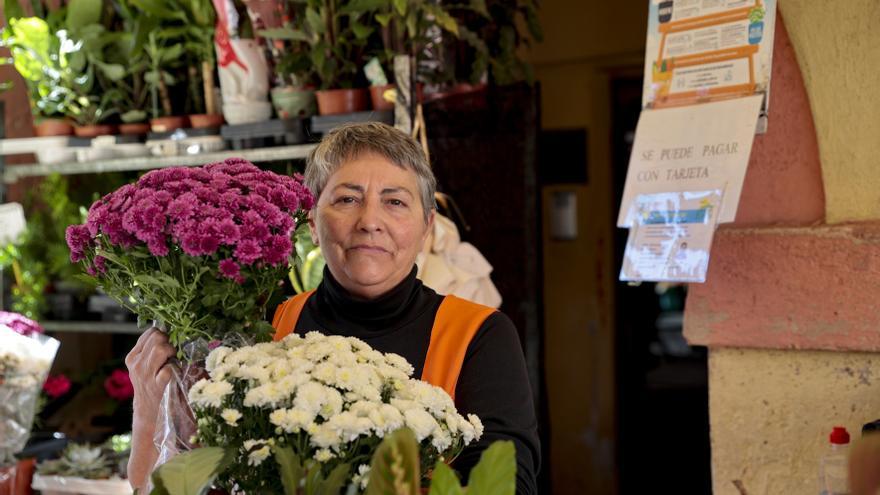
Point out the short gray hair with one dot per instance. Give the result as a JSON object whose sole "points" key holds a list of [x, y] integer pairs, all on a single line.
{"points": [[349, 141]]}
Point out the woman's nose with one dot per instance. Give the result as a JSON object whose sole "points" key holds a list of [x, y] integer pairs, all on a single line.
{"points": [[370, 219]]}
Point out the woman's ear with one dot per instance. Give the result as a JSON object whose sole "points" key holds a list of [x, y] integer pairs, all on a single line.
{"points": [[312, 229]]}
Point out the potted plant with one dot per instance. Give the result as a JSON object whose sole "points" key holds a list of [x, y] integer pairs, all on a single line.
{"points": [[198, 19], [335, 41], [161, 53], [495, 36], [407, 28], [37, 58], [295, 79]]}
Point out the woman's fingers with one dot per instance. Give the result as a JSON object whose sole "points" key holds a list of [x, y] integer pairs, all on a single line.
{"points": [[163, 376]]}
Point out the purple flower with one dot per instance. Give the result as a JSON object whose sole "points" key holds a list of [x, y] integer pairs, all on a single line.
{"points": [[78, 240], [279, 250], [192, 244], [229, 268], [228, 231], [100, 264], [19, 323], [248, 251], [183, 206], [157, 246]]}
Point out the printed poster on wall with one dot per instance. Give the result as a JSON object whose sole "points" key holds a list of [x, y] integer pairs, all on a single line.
{"points": [[692, 147], [671, 236], [707, 50]]}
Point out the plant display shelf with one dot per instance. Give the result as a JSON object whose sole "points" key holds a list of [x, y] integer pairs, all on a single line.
{"points": [[91, 327], [13, 173]]}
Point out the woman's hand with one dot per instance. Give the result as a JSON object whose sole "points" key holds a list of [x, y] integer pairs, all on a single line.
{"points": [[150, 373]]}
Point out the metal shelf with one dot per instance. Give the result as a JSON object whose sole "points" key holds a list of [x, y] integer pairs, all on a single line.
{"points": [[91, 327], [12, 173]]}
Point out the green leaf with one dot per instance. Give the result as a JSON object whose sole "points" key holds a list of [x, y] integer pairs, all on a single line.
{"points": [[333, 483], [384, 19], [314, 20], [290, 467], [479, 6], [283, 34], [395, 466], [132, 116], [172, 53], [12, 10], [361, 31], [442, 18], [192, 473], [400, 7], [495, 474], [114, 72], [82, 13], [444, 481], [361, 6]]}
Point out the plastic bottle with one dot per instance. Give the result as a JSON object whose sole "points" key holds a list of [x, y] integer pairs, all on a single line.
{"points": [[833, 465]]}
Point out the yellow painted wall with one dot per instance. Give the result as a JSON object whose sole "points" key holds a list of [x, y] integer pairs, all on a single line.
{"points": [[838, 49], [771, 413], [584, 42]]}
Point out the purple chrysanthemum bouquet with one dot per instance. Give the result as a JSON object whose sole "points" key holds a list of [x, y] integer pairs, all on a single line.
{"points": [[199, 249]]}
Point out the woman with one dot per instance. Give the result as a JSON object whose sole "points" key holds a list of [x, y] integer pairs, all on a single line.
{"points": [[373, 212]]}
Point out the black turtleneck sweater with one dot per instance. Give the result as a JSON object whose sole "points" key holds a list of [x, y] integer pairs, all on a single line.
{"points": [[493, 383]]}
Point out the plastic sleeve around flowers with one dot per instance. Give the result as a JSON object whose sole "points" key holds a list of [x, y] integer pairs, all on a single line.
{"points": [[24, 365]]}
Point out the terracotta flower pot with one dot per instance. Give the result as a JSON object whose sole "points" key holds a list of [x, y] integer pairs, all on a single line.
{"points": [[16, 479], [338, 101], [135, 129], [204, 120], [168, 124], [292, 102], [377, 95], [90, 131], [53, 127]]}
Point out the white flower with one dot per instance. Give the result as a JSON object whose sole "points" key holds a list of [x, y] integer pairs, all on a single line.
{"points": [[442, 440], [362, 477], [478, 425], [420, 422], [257, 457], [325, 436], [291, 420], [324, 455], [332, 403], [325, 372], [216, 357], [231, 416], [399, 362], [310, 397], [207, 393], [266, 395]]}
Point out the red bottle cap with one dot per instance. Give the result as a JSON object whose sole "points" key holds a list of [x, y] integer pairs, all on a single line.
{"points": [[839, 436]]}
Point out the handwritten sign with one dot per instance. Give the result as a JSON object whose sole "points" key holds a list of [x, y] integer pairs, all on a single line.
{"points": [[697, 147]]}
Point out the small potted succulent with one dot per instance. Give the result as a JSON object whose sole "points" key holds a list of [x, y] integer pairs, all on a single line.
{"points": [[87, 470]]}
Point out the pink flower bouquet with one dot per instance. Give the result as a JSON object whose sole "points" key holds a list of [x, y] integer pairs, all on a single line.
{"points": [[199, 249]]}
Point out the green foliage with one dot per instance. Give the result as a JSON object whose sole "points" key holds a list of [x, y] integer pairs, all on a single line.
{"points": [[328, 40], [395, 468], [307, 270], [191, 473], [41, 252], [493, 30]]}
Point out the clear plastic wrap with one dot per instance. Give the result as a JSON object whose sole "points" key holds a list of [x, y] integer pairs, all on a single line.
{"points": [[24, 365]]}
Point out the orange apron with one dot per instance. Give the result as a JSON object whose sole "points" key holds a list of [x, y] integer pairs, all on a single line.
{"points": [[455, 324]]}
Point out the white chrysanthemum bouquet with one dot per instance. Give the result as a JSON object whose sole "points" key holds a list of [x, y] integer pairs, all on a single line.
{"points": [[319, 406]]}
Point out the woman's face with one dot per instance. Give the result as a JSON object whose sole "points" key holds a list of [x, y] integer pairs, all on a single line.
{"points": [[370, 224]]}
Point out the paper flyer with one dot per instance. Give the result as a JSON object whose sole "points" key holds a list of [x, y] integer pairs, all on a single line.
{"points": [[696, 147], [706, 50], [671, 238]]}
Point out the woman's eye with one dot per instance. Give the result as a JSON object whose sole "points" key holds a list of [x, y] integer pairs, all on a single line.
{"points": [[347, 200], [396, 202]]}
